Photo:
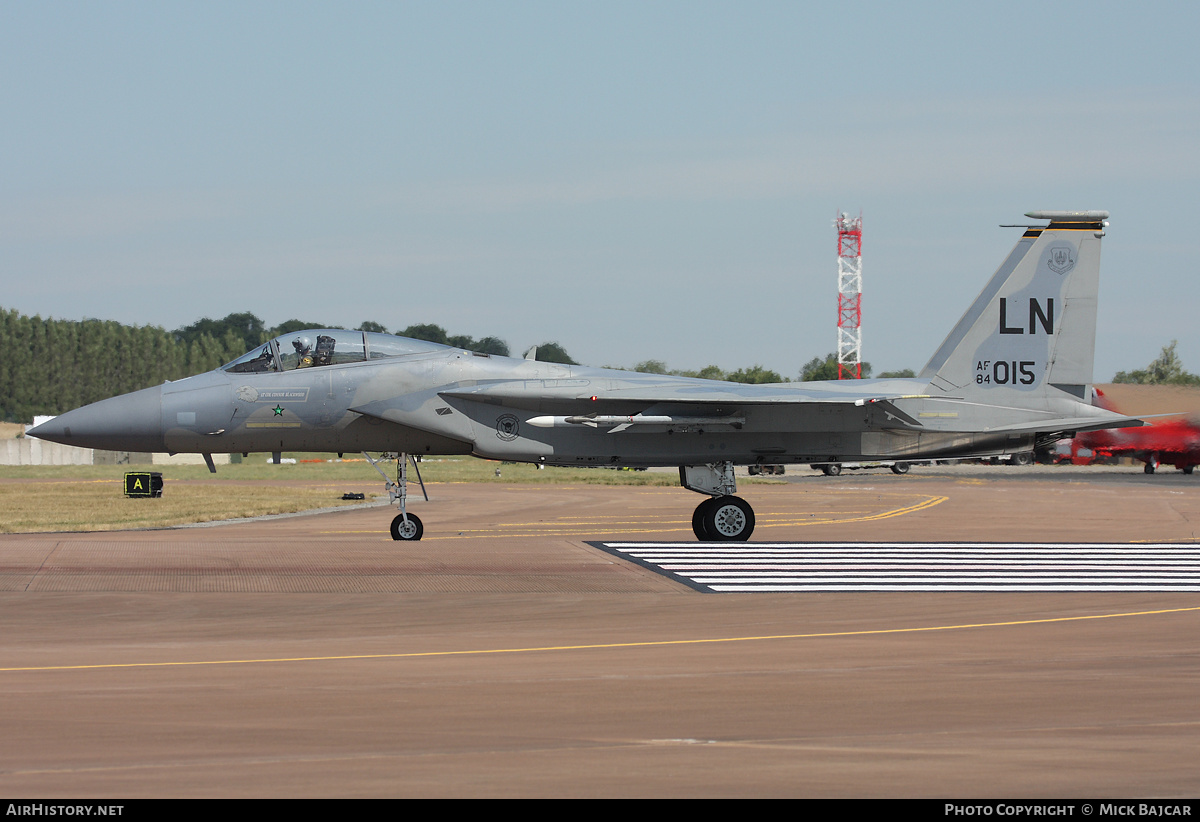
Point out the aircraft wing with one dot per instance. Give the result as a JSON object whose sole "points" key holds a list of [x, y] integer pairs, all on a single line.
{"points": [[522, 392], [591, 402], [662, 401]]}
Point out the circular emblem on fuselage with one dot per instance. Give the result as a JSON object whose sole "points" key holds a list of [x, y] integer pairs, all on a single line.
{"points": [[507, 427], [246, 393]]}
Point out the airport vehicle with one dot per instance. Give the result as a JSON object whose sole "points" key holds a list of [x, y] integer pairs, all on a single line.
{"points": [[833, 469], [1021, 458], [765, 469], [1070, 452], [1015, 372]]}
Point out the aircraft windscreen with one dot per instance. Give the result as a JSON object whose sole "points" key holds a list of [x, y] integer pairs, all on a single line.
{"points": [[255, 361], [318, 347]]}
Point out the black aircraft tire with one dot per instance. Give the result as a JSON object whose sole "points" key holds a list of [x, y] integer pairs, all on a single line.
{"points": [[407, 532], [1187, 469], [698, 520], [900, 468], [832, 469], [728, 519], [1149, 469]]}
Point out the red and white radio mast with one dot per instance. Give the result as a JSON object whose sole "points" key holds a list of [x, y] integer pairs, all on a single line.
{"points": [[849, 297]]}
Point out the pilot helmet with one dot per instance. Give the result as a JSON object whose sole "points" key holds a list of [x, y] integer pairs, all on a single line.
{"points": [[302, 345]]}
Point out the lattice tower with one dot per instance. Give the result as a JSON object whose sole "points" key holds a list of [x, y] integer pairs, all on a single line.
{"points": [[849, 297]]}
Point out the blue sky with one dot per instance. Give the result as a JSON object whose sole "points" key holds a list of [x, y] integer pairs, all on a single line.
{"points": [[633, 180]]}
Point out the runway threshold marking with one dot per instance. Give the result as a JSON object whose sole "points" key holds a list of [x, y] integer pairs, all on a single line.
{"points": [[733, 567], [606, 645]]}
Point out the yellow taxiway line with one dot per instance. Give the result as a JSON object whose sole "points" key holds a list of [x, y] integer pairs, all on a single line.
{"points": [[603, 646]]}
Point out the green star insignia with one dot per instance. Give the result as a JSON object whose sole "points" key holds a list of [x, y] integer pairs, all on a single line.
{"points": [[278, 411]]}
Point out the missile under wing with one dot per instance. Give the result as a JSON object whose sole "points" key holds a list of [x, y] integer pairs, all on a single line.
{"points": [[1015, 372]]}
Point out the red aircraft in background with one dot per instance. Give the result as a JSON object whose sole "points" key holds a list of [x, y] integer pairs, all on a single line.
{"points": [[1174, 441]]}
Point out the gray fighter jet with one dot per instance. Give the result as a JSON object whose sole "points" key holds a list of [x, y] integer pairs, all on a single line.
{"points": [[1013, 374]]}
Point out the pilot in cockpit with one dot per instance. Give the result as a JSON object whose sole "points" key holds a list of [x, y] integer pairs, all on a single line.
{"points": [[303, 346]]}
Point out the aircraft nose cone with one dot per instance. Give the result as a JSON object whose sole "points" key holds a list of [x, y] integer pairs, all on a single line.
{"points": [[132, 422]]}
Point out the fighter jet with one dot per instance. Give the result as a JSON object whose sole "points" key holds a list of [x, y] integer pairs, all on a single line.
{"points": [[1013, 374], [1174, 441]]}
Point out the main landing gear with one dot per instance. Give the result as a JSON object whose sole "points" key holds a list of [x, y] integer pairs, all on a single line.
{"points": [[722, 517], [405, 526]]}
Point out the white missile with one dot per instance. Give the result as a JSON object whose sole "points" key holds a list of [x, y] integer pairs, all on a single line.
{"points": [[606, 420]]}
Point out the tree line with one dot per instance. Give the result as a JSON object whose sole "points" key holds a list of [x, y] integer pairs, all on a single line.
{"points": [[818, 368], [50, 366], [1167, 369]]}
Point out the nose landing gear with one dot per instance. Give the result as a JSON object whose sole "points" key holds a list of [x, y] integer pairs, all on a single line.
{"points": [[405, 527]]}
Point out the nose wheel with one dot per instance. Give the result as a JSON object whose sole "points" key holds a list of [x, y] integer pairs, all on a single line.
{"points": [[723, 519], [407, 527]]}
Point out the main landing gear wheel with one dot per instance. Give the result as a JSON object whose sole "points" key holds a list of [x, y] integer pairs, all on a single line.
{"points": [[832, 469], [408, 530], [900, 468], [698, 526], [723, 519]]}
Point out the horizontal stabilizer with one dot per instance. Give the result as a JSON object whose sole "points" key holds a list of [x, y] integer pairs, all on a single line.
{"points": [[1070, 424]]}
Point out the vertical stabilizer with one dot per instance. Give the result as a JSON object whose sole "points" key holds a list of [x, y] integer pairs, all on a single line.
{"points": [[1034, 324]]}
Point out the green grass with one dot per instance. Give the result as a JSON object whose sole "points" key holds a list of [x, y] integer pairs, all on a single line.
{"points": [[433, 469], [90, 497], [100, 505]]}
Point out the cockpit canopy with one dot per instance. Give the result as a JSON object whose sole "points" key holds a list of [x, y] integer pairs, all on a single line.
{"points": [[326, 346]]}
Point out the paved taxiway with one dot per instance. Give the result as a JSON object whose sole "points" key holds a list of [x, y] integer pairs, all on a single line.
{"points": [[503, 655]]}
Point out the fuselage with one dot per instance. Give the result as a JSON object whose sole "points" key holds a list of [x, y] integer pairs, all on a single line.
{"points": [[418, 397]]}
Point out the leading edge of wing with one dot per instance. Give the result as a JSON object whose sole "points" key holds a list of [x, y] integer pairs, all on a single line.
{"points": [[516, 392]]}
